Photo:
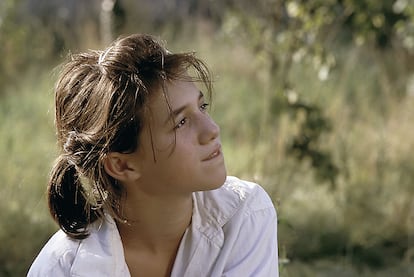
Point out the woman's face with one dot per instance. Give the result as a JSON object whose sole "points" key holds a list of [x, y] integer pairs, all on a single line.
{"points": [[180, 148]]}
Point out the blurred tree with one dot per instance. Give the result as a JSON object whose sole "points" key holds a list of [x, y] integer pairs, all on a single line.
{"points": [[12, 38], [375, 21], [284, 32], [30, 36], [112, 18]]}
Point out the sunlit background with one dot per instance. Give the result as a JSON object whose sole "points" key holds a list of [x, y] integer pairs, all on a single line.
{"points": [[315, 99]]}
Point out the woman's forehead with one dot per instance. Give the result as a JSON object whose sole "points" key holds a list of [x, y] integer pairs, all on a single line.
{"points": [[172, 98]]}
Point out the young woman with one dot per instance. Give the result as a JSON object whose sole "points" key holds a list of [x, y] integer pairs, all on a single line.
{"points": [[140, 186]]}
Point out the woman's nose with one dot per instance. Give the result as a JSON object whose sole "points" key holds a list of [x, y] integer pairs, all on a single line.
{"points": [[209, 131]]}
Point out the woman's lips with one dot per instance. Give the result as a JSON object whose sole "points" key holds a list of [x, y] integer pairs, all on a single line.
{"points": [[214, 154]]}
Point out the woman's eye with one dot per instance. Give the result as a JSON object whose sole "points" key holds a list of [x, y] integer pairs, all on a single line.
{"points": [[181, 123], [204, 106]]}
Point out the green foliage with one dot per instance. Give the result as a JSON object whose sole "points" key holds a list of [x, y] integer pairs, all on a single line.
{"points": [[8, 25], [26, 42], [305, 144], [282, 33], [26, 151], [377, 21]]}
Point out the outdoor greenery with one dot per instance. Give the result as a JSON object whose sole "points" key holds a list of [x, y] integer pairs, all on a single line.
{"points": [[315, 102]]}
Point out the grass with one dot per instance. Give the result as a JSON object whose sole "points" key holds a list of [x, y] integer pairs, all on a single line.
{"points": [[26, 149], [362, 226]]}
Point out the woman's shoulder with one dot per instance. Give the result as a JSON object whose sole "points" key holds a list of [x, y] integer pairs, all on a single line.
{"points": [[59, 251], [240, 192], [246, 192], [99, 254], [234, 197]]}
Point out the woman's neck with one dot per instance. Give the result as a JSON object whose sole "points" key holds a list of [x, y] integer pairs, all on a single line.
{"points": [[155, 223], [152, 235]]}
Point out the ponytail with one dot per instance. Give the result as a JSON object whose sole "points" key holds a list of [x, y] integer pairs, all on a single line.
{"points": [[67, 202]]}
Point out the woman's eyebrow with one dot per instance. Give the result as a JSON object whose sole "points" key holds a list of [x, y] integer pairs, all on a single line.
{"points": [[177, 111]]}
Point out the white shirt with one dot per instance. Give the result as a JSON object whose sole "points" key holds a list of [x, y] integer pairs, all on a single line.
{"points": [[233, 233]]}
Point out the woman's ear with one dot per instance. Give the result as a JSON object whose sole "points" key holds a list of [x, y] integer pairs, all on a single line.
{"points": [[121, 167]]}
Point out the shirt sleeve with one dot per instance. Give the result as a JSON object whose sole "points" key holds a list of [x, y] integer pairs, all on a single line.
{"points": [[254, 248]]}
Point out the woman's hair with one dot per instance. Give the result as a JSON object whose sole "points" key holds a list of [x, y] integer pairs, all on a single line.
{"points": [[101, 100]]}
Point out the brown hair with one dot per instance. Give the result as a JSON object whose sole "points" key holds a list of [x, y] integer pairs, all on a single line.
{"points": [[101, 98]]}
